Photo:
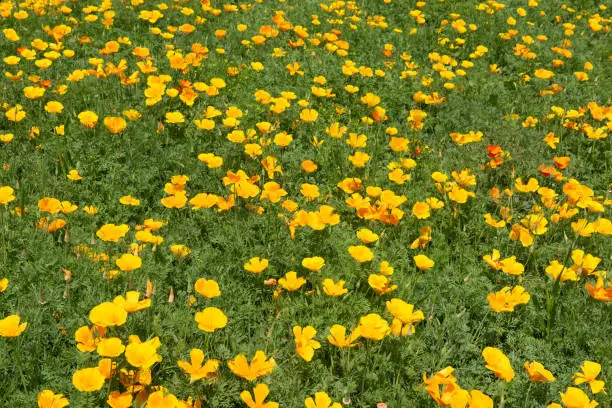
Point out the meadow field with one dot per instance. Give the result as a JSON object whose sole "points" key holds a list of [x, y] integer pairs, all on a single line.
{"points": [[305, 203]]}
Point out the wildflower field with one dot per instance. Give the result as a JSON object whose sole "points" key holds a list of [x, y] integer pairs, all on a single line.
{"points": [[300, 203]]}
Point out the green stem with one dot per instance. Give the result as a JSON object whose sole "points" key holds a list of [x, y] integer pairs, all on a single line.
{"points": [[20, 366], [502, 398], [552, 301], [482, 322], [527, 394], [345, 368], [367, 363], [207, 344], [551, 306], [4, 223]]}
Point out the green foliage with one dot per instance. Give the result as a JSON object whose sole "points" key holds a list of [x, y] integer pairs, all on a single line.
{"points": [[561, 326]]}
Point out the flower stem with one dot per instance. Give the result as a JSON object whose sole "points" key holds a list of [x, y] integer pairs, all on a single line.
{"points": [[366, 366], [482, 322], [502, 399], [4, 224], [20, 366], [527, 395], [552, 301]]}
